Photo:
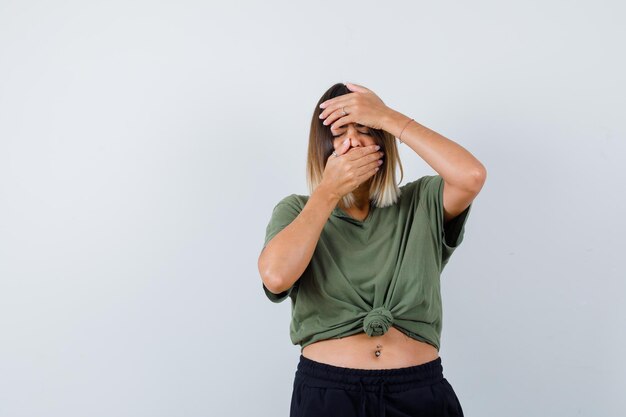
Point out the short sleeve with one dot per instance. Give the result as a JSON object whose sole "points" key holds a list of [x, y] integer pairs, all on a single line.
{"points": [[450, 236], [283, 214]]}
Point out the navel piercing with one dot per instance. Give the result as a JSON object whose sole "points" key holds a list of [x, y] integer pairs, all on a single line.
{"points": [[378, 347]]}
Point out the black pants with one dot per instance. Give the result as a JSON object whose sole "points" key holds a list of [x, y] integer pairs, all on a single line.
{"points": [[323, 390]]}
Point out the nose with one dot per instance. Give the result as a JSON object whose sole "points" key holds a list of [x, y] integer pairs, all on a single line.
{"points": [[356, 137]]}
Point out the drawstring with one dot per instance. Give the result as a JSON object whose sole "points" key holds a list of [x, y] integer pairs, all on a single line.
{"points": [[381, 399]]}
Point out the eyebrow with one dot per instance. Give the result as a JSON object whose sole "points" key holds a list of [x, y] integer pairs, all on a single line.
{"points": [[357, 125]]}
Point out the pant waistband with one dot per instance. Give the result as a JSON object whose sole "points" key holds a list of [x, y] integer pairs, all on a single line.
{"points": [[427, 373], [322, 375]]}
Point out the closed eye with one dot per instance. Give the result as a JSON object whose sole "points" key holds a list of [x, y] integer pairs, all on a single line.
{"points": [[364, 133]]}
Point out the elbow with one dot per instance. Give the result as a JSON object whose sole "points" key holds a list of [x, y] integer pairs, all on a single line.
{"points": [[269, 278], [273, 285], [477, 178], [482, 172]]}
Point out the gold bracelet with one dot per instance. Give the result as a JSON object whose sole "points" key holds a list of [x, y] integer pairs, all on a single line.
{"points": [[400, 138]]}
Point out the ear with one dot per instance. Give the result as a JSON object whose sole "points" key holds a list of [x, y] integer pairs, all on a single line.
{"points": [[356, 87]]}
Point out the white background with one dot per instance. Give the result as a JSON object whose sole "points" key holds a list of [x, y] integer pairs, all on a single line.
{"points": [[143, 145]]}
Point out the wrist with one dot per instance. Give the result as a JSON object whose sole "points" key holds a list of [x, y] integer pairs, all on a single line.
{"points": [[327, 195], [394, 122]]}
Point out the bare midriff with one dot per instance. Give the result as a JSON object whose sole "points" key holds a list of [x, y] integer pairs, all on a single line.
{"points": [[394, 349]]}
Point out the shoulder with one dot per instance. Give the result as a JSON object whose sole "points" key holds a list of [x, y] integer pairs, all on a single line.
{"points": [[295, 201], [421, 184]]}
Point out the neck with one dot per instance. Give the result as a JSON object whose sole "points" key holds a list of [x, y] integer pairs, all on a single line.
{"points": [[361, 198]]}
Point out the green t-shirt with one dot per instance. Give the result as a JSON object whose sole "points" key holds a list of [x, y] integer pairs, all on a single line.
{"points": [[366, 276]]}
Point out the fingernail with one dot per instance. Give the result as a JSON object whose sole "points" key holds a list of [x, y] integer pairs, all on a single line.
{"points": [[377, 147]]}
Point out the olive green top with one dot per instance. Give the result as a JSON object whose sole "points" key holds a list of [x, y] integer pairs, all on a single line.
{"points": [[366, 276]]}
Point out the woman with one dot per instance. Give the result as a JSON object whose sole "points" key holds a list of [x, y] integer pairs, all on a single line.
{"points": [[361, 260]]}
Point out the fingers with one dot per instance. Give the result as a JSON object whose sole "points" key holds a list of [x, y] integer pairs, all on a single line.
{"points": [[369, 165], [367, 171], [357, 153], [360, 159], [344, 147], [368, 160], [357, 87]]}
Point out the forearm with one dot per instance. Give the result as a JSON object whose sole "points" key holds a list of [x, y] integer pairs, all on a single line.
{"points": [[287, 254], [449, 159]]}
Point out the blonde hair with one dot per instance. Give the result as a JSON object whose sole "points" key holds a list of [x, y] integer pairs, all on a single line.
{"points": [[384, 190]]}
